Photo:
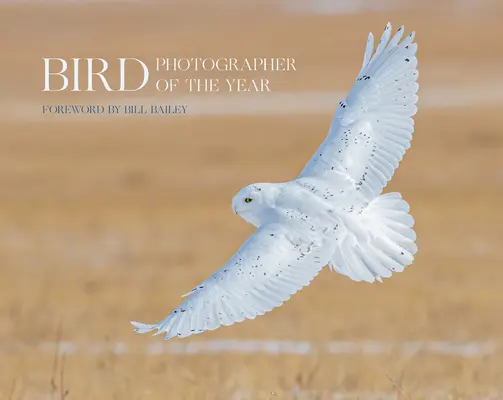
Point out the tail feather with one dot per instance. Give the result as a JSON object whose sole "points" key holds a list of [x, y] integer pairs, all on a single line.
{"points": [[390, 244]]}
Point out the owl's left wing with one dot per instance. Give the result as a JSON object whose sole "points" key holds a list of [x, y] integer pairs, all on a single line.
{"points": [[372, 129], [272, 265]]}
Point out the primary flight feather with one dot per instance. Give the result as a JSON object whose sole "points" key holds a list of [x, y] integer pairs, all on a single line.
{"points": [[332, 214]]}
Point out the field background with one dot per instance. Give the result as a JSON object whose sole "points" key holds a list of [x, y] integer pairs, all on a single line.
{"points": [[107, 219]]}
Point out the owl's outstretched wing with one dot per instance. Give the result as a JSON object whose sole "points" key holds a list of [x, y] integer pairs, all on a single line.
{"points": [[272, 265], [372, 128]]}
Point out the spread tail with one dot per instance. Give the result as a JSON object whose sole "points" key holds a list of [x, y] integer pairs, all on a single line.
{"points": [[389, 245]]}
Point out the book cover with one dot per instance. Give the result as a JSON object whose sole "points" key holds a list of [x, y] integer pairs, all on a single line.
{"points": [[236, 152]]}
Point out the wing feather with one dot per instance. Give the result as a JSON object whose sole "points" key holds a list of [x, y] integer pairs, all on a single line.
{"points": [[372, 128], [368, 50], [272, 265]]}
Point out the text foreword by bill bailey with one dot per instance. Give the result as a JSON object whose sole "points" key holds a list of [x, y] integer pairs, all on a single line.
{"points": [[75, 109]]}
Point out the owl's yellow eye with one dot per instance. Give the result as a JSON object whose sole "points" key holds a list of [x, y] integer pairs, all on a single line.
{"points": [[248, 200]]}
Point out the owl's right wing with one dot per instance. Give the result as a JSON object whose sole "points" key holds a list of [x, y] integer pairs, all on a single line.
{"points": [[272, 265], [372, 128]]}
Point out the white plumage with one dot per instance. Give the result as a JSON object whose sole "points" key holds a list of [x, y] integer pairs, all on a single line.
{"points": [[332, 214]]}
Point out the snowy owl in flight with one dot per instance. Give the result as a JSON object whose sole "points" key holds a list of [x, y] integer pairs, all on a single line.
{"points": [[332, 214]]}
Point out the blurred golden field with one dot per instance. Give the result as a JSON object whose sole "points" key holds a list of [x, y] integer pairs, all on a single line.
{"points": [[108, 219]]}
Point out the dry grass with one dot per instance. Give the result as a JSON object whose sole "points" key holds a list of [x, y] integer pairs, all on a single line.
{"points": [[110, 220]]}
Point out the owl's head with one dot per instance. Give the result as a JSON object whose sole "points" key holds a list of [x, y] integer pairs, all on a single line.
{"points": [[255, 202]]}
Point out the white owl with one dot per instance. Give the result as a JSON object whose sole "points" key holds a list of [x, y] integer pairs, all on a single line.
{"points": [[332, 214]]}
